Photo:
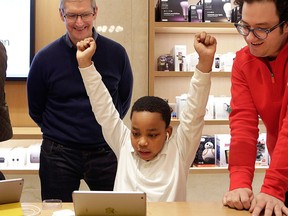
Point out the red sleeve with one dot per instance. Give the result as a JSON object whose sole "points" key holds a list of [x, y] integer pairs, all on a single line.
{"points": [[276, 178], [244, 129]]}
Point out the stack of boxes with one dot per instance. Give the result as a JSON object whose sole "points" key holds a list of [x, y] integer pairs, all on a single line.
{"points": [[180, 60], [172, 10], [203, 11], [218, 107], [214, 151], [20, 157]]}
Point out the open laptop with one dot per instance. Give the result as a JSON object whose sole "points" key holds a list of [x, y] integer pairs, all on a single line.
{"points": [[11, 190], [101, 203]]}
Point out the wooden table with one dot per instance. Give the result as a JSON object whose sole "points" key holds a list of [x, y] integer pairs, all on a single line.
{"points": [[168, 208]]}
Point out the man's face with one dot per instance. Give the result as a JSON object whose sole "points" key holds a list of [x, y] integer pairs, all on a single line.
{"points": [[264, 15], [78, 27]]}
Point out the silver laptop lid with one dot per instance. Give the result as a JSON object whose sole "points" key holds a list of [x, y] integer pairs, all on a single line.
{"points": [[96, 203], [11, 190]]}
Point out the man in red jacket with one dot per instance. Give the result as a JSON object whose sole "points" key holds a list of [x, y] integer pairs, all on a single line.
{"points": [[260, 89]]}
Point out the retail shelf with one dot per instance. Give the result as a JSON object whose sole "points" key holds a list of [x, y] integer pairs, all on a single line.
{"points": [[175, 122], [207, 122], [188, 27], [27, 133], [187, 74], [20, 171], [215, 169]]}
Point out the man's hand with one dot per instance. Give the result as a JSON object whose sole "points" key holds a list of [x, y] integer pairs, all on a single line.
{"points": [[205, 46], [85, 50], [240, 198], [268, 204]]}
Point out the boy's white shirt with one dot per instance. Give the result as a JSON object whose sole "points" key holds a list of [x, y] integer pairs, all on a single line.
{"points": [[164, 178]]}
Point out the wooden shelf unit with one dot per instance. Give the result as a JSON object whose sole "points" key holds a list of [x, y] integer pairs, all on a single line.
{"points": [[187, 74], [164, 35], [168, 84], [27, 133]]}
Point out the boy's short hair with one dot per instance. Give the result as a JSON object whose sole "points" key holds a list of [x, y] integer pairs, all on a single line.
{"points": [[153, 104]]}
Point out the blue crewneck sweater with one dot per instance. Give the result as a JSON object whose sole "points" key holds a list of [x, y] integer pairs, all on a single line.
{"points": [[57, 98]]}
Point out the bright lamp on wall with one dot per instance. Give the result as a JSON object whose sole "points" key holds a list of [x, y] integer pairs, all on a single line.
{"points": [[110, 29]]}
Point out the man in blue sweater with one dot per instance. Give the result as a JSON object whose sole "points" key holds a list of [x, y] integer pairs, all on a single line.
{"points": [[73, 146]]}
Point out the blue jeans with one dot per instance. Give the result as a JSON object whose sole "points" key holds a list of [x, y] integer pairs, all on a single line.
{"points": [[62, 168]]}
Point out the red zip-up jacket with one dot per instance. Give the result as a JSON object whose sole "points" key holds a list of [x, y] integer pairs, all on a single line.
{"points": [[259, 89]]}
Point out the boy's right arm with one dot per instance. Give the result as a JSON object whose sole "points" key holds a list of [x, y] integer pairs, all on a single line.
{"points": [[113, 128], [85, 50]]}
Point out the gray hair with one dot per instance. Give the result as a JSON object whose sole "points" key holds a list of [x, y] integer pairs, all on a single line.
{"points": [[62, 2]]}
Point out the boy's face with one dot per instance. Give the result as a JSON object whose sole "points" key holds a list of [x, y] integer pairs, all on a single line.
{"points": [[148, 134], [263, 14]]}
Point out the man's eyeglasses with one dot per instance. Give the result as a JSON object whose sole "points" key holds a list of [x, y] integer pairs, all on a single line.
{"points": [[73, 17], [260, 33]]}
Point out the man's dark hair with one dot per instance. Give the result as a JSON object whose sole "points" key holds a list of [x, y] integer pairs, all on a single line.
{"points": [[153, 104], [281, 6]]}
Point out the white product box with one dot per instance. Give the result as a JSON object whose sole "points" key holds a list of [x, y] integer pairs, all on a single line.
{"points": [[210, 108], [4, 153], [180, 104], [222, 107], [173, 107], [223, 145], [262, 158], [33, 155], [179, 53], [17, 157], [222, 149], [226, 61], [192, 60]]}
